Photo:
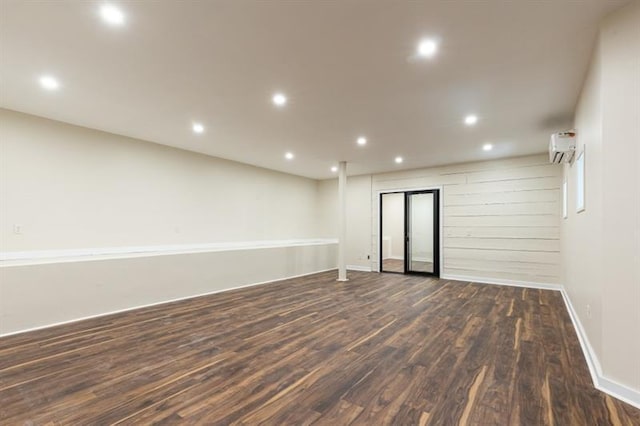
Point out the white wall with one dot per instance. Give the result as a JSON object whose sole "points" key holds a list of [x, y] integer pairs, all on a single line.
{"points": [[100, 189], [358, 217], [601, 245], [501, 218], [74, 192], [42, 294]]}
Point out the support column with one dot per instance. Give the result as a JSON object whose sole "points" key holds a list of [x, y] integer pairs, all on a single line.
{"points": [[342, 221]]}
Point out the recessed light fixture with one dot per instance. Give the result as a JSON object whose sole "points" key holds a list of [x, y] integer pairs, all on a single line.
{"points": [[197, 128], [399, 160], [427, 48], [471, 120], [362, 141], [49, 83], [334, 169], [112, 15], [279, 99], [487, 147], [289, 155]]}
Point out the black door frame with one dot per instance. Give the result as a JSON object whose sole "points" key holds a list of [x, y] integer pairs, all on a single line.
{"points": [[436, 231]]}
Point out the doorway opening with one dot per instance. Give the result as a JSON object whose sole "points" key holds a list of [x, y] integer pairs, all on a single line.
{"points": [[410, 232]]}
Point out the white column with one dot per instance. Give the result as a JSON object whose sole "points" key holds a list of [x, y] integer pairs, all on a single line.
{"points": [[342, 221]]}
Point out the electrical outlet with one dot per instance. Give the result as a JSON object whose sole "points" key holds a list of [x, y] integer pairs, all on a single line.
{"points": [[17, 229], [588, 311]]}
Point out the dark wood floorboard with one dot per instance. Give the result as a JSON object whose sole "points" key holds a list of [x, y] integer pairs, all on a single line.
{"points": [[378, 349]]}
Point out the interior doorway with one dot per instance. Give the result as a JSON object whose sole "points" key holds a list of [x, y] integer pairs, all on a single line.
{"points": [[410, 232]]}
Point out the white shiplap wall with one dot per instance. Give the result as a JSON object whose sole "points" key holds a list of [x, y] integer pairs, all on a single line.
{"points": [[501, 218]]}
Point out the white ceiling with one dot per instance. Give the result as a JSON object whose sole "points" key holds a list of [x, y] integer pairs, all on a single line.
{"points": [[347, 67]]}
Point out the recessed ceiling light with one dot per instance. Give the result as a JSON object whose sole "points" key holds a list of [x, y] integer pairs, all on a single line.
{"points": [[198, 128], [470, 120], [289, 155], [487, 147], [427, 48], [399, 160], [362, 141], [279, 99], [49, 83], [334, 169], [112, 15]]}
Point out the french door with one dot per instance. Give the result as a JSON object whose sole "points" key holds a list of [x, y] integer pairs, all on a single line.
{"points": [[409, 232]]}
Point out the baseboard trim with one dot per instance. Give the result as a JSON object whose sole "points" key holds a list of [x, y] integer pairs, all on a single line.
{"points": [[359, 268], [600, 382], [161, 303], [498, 281]]}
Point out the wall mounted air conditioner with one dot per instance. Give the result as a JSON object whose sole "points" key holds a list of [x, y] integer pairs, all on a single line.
{"points": [[562, 147]]}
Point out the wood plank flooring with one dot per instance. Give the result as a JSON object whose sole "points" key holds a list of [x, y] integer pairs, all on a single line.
{"points": [[378, 349]]}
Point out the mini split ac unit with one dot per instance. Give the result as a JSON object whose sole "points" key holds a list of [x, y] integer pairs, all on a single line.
{"points": [[562, 147]]}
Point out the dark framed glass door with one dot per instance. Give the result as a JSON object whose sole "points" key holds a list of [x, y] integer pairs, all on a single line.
{"points": [[422, 248], [409, 232]]}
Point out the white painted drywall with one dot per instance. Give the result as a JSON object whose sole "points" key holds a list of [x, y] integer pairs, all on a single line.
{"points": [[44, 294], [359, 209], [70, 187], [601, 245], [67, 189]]}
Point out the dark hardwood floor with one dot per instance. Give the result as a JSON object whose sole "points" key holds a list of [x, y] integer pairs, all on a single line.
{"points": [[378, 349]]}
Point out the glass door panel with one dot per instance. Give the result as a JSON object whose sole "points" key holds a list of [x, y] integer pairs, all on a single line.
{"points": [[421, 226], [392, 232]]}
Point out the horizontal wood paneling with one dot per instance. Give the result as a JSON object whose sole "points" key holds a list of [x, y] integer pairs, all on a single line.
{"points": [[421, 182], [523, 244], [523, 220], [515, 185], [503, 232], [505, 209], [502, 255], [517, 173], [541, 195], [527, 276], [501, 218], [506, 266]]}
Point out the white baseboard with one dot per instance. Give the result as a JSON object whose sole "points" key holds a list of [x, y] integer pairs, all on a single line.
{"points": [[600, 382], [499, 281], [359, 268], [161, 303]]}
